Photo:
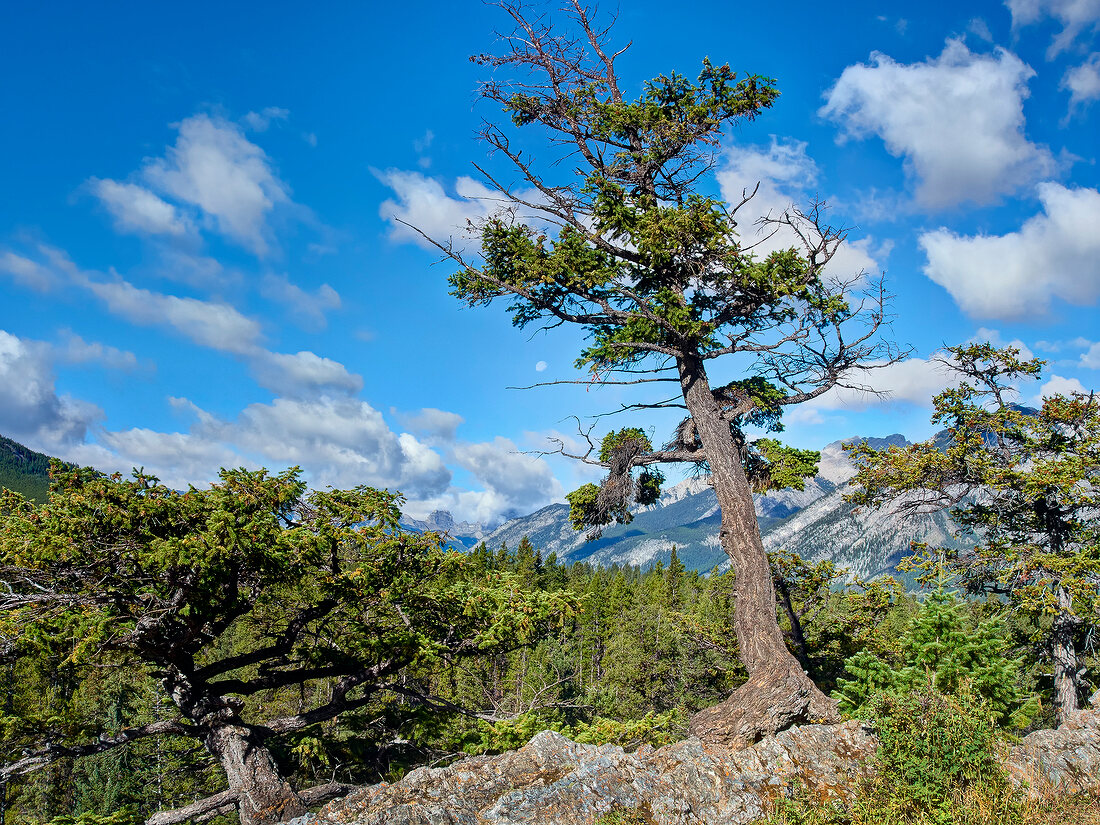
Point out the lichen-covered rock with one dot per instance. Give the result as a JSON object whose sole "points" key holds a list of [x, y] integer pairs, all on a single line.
{"points": [[554, 780], [1061, 761]]}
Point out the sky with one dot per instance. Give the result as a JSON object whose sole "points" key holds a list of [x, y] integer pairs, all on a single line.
{"points": [[203, 265]]}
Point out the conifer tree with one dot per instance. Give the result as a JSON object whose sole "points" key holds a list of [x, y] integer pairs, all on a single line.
{"points": [[1024, 485], [627, 244], [320, 586]]}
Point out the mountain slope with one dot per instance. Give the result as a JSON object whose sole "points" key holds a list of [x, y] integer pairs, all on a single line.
{"points": [[23, 470], [817, 523]]}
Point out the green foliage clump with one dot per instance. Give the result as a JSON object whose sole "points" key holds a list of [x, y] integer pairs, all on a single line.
{"points": [[941, 648], [936, 765]]}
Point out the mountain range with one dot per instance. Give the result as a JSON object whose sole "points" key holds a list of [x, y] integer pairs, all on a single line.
{"points": [[815, 522]]}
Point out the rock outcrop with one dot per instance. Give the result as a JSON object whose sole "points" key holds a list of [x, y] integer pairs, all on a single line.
{"points": [[1061, 761], [554, 780]]}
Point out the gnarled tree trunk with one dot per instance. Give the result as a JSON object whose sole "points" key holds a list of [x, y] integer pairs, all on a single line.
{"points": [[1064, 654], [263, 797], [778, 693]]}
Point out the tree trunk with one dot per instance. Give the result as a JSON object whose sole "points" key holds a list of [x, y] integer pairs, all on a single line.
{"points": [[1064, 654], [263, 797], [778, 693]]}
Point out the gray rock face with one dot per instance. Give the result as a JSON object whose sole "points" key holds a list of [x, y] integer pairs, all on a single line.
{"points": [[554, 780], [1062, 761]]}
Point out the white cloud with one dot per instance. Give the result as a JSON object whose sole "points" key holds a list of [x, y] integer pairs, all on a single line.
{"points": [[177, 459], [516, 482], [214, 167], [302, 373], [308, 308], [1083, 83], [208, 323], [914, 381], [136, 209], [1091, 357], [438, 426], [31, 411], [27, 272], [1053, 255], [341, 442], [1057, 385], [541, 366], [957, 120], [75, 350], [786, 175], [260, 121], [422, 202], [994, 337], [1074, 15]]}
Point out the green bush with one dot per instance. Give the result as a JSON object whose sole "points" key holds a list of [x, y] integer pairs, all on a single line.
{"points": [[941, 648]]}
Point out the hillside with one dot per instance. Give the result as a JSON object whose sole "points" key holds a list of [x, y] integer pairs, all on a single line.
{"points": [[23, 470]]}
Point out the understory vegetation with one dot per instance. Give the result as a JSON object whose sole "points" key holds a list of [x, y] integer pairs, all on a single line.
{"points": [[944, 679]]}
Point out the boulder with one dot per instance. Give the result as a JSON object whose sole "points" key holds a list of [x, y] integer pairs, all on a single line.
{"points": [[1063, 761]]}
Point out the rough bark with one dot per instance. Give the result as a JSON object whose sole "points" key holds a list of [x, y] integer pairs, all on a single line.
{"points": [[1064, 654], [263, 797], [778, 693]]}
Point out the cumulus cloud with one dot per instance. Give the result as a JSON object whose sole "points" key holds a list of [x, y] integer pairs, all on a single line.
{"points": [[1075, 16], [422, 202], [31, 411], [307, 308], [177, 459], [514, 482], [136, 209], [341, 442], [1091, 357], [914, 381], [994, 337], [1058, 385], [214, 167], [1083, 83], [956, 119], [1055, 254], [786, 175], [437, 426], [302, 373]]}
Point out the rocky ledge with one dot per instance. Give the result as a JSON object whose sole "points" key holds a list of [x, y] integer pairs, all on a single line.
{"points": [[552, 779]]}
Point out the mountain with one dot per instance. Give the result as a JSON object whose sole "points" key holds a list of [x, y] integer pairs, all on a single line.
{"points": [[816, 522], [23, 470], [463, 535]]}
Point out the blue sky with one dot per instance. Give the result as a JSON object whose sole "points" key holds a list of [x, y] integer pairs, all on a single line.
{"points": [[200, 266]]}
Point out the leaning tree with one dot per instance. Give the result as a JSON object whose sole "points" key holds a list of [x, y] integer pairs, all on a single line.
{"points": [[610, 227], [227, 596]]}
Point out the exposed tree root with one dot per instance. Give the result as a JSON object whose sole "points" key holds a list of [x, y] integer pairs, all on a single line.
{"points": [[773, 699]]}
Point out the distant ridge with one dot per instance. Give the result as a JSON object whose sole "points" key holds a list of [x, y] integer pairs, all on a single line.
{"points": [[23, 470], [816, 522]]}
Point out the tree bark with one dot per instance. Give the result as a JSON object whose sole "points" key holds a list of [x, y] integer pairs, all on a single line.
{"points": [[778, 693], [263, 797], [1064, 654]]}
